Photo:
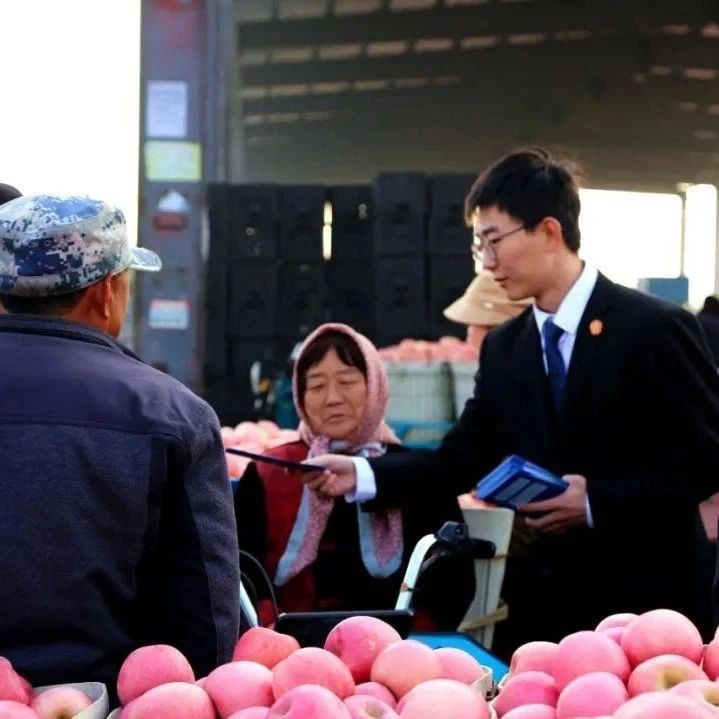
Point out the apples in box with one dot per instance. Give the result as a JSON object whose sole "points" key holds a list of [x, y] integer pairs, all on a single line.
{"points": [[59, 701]]}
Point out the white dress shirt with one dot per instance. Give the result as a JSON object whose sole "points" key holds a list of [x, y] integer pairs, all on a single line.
{"points": [[568, 315]]}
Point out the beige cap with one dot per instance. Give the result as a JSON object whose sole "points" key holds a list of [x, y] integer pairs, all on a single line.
{"points": [[484, 302]]}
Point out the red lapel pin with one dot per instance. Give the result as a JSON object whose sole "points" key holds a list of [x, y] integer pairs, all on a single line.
{"points": [[596, 327]]}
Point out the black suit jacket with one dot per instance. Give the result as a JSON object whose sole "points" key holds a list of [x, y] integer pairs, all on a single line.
{"points": [[640, 422]]}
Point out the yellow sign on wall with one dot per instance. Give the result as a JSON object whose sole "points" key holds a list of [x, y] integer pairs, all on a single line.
{"points": [[173, 161]]}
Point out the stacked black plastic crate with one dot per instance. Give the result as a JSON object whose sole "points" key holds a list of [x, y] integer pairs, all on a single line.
{"points": [[400, 302], [241, 294], [302, 289], [350, 271], [450, 267], [265, 286]]}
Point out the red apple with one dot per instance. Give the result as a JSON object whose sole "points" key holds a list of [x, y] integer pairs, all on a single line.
{"points": [[358, 641], [532, 711], [614, 633], [124, 711], [251, 713], [527, 688], [534, 656], [457, 664], [584, 652], [701, 690], [12, 686], [662, 673], [378, 691], [616, 620], [311, 665], [662, 705], [16, 710], [60, 702], [445, 698], [239, 685], [405, 664], [264, 646], [593, 694], [176, 700], [150, 666], [366, 707], [661, 631], [710, 663], [27, 688], [307, 702]]}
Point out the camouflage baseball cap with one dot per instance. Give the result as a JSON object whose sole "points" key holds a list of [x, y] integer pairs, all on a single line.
{"points": [[52, 245]]}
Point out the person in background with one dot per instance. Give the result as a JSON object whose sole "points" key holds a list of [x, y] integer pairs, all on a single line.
{"points": [[708, 317], [607, 387], [323, 553], [483, 305], [8, 192], [116, 519]]}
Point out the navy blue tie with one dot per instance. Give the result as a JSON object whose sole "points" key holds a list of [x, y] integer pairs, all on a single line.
{"points": [[556, 370]]}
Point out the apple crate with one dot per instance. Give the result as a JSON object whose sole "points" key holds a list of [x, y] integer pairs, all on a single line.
{"points": [[95, 690], [420, 392], [463, 374], [495, 525]]}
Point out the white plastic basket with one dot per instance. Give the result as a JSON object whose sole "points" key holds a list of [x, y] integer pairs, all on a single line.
{"points": [[463, 374], [495, 525], [95, 690], [485, 684], [420, 392]]}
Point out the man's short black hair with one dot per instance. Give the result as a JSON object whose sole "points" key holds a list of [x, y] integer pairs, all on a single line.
{"points": [[529, 184], [711, 305], [54, 306]]}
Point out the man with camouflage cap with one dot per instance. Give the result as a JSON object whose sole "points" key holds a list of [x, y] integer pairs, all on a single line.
{"points": [[116, 524]]}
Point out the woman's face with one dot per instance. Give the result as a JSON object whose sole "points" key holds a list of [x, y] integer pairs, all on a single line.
{"points": [[335, 397]]}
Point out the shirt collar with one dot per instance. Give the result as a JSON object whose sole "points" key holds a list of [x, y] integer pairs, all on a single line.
{"points": [[570, 310]]}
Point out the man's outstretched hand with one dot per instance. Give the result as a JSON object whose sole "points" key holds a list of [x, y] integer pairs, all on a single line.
{"points": [[339, 477]]}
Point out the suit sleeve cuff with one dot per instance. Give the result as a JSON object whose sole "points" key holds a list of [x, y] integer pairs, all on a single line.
{"points": [[366, 487]]}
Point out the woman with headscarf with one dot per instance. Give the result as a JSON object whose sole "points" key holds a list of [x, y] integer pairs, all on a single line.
{"points": [[335, 554]]}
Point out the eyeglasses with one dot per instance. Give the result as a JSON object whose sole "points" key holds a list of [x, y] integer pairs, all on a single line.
{"points": [[486, 247]]}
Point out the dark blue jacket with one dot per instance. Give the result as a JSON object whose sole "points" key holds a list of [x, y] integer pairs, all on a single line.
{"points": [[116, 520]]}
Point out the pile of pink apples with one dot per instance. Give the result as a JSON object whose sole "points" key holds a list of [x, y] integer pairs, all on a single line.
{"points": [[18, 700], [650, 666], [365, 671], [446, 349]]}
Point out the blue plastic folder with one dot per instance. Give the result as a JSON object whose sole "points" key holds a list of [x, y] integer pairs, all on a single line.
{"points": [[517, 481]]}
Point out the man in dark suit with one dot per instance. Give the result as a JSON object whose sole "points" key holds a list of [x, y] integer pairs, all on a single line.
{"points": [[708, 317], [612, 389]]}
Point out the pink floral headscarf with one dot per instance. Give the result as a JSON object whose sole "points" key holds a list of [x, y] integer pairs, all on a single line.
{"points": [[380, 533]]}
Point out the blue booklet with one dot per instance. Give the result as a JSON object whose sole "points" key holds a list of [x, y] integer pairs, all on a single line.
{"points": [[517, 481]]}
